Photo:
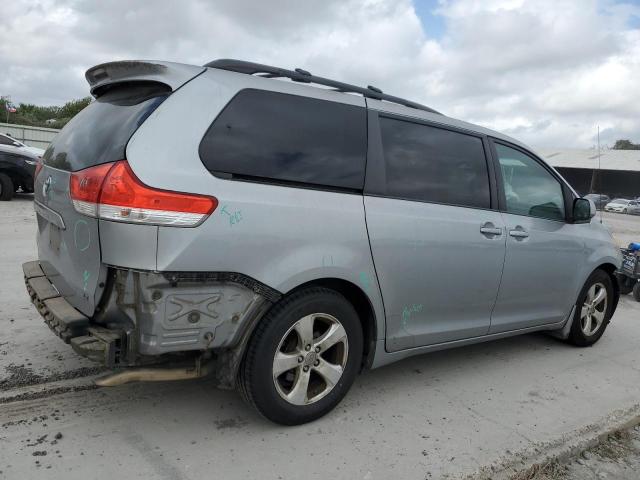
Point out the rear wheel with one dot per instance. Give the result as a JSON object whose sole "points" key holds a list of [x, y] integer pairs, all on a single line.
{"points": [[303, 357], [593, 310], [6, 187]]}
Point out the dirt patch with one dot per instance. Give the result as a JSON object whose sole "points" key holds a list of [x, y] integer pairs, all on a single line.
{"points": [[23, 375], [45, 393], [230, 423], [615, 458]]}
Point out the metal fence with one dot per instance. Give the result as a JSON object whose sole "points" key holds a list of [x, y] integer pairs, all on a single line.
{"points": [[33, 136]]}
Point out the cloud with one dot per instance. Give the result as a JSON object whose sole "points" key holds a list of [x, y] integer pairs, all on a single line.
{"points": [[546, 72]]}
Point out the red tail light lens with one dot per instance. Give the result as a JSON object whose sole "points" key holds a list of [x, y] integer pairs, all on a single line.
{"points": [[85, 186], [39, 166], [112, 192]]}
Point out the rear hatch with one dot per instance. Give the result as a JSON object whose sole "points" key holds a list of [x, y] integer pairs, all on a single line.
{"points": [[68, 241]]}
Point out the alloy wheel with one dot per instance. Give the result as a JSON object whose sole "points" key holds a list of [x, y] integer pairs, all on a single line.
{"points": [[594, 309], [310, 359]]}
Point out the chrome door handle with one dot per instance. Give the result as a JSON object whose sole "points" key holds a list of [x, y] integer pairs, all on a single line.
{"points": [[518, 233], [491, 230]]}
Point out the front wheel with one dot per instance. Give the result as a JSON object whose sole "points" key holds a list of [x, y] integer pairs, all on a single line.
{"points": [[303, 357], [593, 310]]}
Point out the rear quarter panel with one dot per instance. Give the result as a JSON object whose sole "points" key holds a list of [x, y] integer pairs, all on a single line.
{"points": [[281, 236]]}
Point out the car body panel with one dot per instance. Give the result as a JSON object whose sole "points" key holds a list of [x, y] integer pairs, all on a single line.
{"points": [[540, 273], [10, 144], [618, 205], [170, 73], [634, 207], [69, 255], [20, 166], [442, 281], [283, 236], [425, 252], [600, 200]]}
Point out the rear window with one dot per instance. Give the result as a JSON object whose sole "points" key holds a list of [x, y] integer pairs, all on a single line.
{"points": [[285, 138], [100, 132], [432, 164]]}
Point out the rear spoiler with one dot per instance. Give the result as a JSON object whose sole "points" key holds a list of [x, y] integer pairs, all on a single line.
{"points": [[174, 75]]}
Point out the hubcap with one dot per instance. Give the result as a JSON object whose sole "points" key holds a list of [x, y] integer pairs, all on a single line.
{"points": [[310, 359], [594, 309]]}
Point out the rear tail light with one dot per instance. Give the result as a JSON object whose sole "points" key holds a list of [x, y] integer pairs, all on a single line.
{"points": [[111, 191], [39, 166]]}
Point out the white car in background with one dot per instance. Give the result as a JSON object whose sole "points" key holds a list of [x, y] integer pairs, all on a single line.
{"points": [[617, 205], [11, 143]]}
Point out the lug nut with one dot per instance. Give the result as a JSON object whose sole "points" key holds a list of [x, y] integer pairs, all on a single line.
{"points": [[300, 359], [316, 363], [317, 349], [307, 348], [305, 368]]}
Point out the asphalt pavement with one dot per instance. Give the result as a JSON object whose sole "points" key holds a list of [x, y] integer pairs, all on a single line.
{"points": [[441, 415]]}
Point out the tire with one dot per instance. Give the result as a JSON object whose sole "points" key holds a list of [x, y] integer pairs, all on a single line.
{"points": [[624, 211], [6, 188], [626, 284], [585, 332], [636, 291], [283, 398]]}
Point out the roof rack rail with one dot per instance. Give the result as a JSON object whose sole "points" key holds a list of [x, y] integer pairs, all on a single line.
{"points": [[300, 75]]}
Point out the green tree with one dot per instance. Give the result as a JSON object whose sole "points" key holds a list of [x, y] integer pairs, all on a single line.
{"points": [[43, 116], [626, 145]]}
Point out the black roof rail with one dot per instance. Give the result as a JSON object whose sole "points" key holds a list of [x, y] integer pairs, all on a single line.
{"points": [[300, 75]]}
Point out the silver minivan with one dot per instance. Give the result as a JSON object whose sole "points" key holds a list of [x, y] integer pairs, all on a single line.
{"points": [[280, 231]]}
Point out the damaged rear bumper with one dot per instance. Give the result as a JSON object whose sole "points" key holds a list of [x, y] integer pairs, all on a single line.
{"points": [[92, 341], [144, 315]]}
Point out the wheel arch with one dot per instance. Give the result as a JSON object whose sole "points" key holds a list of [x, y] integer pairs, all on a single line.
{"points": [[360, 301]]}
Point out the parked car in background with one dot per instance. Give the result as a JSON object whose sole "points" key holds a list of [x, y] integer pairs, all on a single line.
{"points": [[8, 141], [634, 207], [618, 205], [598, 199], [262, 245], [17, 170]]}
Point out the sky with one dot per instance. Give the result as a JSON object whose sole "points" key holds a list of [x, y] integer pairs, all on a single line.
{"points": [[547, 72]]}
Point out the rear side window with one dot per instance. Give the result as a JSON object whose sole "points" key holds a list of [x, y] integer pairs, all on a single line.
{"points": [[432, 164], [101, 131], [263, 135], [6, 140]]}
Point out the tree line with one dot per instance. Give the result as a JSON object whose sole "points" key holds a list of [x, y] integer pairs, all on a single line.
{"points": [[57, 117], [626, 145], [38, 116]]}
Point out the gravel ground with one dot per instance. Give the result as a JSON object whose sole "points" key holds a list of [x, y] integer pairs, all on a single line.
{"points": [[616, 458], [442, 415], [626, 228]]}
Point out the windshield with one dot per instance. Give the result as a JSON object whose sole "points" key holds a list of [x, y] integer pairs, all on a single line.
{"points": [[100, 132]]}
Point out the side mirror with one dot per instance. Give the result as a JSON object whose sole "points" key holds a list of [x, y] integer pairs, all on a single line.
{"points": [[17, 144], [583, 210]]}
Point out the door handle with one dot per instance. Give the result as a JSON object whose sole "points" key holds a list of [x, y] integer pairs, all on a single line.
{"points": [[518, 233], [490, 229]]}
